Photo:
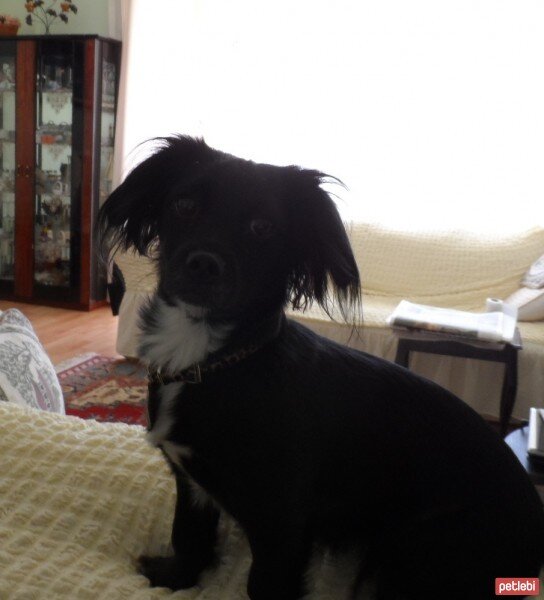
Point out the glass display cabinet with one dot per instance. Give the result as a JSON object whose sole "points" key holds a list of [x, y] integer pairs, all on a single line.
{"points": [[58, 98]]}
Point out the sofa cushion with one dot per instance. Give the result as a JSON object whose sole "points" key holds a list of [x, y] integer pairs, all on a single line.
{"points": [[453, 269], [534, 278], [27, 376]]}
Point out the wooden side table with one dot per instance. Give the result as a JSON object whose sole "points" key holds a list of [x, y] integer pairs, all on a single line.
{"points": [[446, 345]]}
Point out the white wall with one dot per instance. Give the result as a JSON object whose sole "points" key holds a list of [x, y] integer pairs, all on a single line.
{"points": [[431, 112]]}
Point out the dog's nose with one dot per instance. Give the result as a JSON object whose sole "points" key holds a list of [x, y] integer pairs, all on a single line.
{"points": [[204, 267]]}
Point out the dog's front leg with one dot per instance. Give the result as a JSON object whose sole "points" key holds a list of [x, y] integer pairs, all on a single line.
{"points": [[280, 562], [194, 536]]}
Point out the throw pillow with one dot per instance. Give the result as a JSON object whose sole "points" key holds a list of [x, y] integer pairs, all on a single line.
{"points": [[534, 278], [27, 376]]}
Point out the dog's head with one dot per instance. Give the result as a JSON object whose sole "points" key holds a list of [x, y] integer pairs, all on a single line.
{"points": [[230, 235]]}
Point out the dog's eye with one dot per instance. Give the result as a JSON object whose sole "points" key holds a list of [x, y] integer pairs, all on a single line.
{"points": [[262, 228], [186, 207]]}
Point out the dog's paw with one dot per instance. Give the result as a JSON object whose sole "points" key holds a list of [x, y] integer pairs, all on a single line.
{"points": [[166, 571]]}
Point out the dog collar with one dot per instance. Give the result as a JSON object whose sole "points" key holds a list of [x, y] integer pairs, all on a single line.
{"points": [[195, 372]]}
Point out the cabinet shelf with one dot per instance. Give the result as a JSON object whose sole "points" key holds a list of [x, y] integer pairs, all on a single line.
{"points": [[56, 144], [57, 92]]}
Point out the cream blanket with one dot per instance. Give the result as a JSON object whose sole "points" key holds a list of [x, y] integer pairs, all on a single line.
{"points": [[81, 500]]}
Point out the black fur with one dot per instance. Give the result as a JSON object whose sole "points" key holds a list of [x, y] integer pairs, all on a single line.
{"points": [[307, 441]]}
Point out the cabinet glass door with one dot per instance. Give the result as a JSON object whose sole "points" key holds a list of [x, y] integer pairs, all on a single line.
{"points": [[59, 128], [107, 123], [7, 162]]}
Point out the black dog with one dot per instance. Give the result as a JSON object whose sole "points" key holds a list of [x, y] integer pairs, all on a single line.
{"points": [[303, 441]]}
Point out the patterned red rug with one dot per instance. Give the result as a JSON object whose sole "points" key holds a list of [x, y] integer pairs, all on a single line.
{"points": [[105, 389]]}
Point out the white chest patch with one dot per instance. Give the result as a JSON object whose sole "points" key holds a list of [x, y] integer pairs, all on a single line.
{"points": [[179, 336]]}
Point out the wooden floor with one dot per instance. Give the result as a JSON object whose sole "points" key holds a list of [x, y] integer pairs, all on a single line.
{"points": [[67, 333]]}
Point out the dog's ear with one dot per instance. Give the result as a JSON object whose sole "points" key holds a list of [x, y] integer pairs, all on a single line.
{"points": [[130, 216], [323, 258]]}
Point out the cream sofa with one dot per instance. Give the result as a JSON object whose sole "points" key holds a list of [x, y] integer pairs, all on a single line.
{"points": [[450, 269]]}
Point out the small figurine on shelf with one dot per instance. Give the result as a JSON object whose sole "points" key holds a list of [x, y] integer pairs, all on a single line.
{"points": [[7, 77], [52, 207], [49, 15]]}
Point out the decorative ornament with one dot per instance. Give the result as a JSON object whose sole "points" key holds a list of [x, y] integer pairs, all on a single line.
{"points": [[47, 16], [57, 100], [9, 25]]}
